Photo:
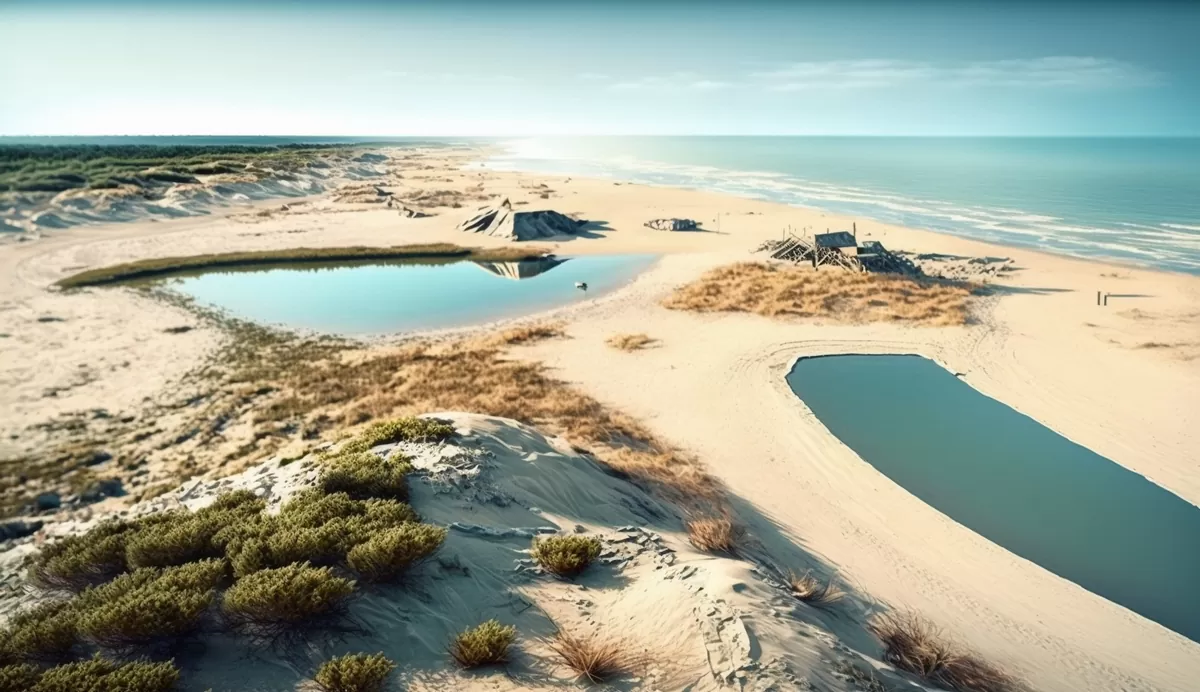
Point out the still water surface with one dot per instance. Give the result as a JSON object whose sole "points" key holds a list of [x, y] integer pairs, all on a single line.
{"points": [[1014, 481], [379, 298]]}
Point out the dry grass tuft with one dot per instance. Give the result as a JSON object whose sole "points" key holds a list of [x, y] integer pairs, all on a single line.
{"points": [[813, 591], [714, 535], [629, 342], [594, 657], [919, 647], [785, 291]]}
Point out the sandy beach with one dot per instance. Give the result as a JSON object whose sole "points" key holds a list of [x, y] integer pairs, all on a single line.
{"points": [[1122, 380]]}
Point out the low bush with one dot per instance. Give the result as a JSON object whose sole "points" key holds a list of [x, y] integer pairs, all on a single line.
{"points": [[363, 475], [19, 678], [355, 673], [565, 556], [149, 605], [272, 600], [44, 632], [390, 554], [101, 675], [714, 535], [399, 430], [183, 538], [917, 646], [76, 562], [813, 591], [484, 645], [595, 658]]}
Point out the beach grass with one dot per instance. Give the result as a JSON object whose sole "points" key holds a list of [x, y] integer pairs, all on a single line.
{"points": [[917, 646], [595, 657], [810, 589], [167, 266], [778, 291], [565, 556], [714, 535], [629, 342], [484, 645]]}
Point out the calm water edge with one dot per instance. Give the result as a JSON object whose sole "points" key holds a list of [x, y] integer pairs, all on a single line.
{"points": [[1134, 200], [1014, 481], [381, 298]]}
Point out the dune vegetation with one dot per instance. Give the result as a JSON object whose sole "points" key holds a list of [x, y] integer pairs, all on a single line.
{"points": [[59, 167], [779, 291], [565, 556], [594, 657], [484, 645], [629, 342], [139, 585], [168, 266], [919, 647]]}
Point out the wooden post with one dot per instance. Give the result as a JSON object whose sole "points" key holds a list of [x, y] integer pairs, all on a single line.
{"points": [[854, 228], [1097, 297], [1105, 300]]}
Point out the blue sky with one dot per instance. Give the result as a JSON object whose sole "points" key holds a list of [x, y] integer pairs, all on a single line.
{"points": [[456, 68]]}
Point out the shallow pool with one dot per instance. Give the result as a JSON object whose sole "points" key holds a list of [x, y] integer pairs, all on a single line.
{"points": [[1016, 482], [388, 297]]}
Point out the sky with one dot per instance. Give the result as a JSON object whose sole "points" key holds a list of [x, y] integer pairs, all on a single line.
{"points": [[456, 68]]}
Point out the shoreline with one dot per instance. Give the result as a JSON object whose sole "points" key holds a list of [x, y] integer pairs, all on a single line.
{"points": [[713, 386]]}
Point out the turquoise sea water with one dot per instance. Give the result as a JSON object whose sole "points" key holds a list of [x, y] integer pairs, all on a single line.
{"points": [[1134, 200], [384, 298], [1014, 481]]}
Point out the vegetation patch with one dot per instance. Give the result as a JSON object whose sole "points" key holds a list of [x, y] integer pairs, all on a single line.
{"points": [[772, 290], [565, 556], [594, 657], [364, 474], [355, 673], [102, 675], [45, 632], [392, 553], [166, 266], [917, 646], [273, 601], [484, 645], [629, 342], [19, 678]]}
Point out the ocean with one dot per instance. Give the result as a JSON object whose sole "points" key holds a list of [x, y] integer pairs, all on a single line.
{"points": [[1130, 200]]}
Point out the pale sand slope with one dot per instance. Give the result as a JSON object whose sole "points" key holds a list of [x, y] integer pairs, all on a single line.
{"points": [[714, 385], [686, 620]]}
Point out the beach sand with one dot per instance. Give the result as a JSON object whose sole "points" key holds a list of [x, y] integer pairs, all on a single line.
{"points": [[1122, 380]]}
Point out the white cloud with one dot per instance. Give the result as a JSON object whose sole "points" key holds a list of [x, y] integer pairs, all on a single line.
{"points": [[1062, 71], [676, 81]]}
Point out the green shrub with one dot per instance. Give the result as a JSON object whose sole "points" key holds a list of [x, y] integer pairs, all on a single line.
{"points": [[76, 562], [322, 546], [243, 501], [399, 430], [18, 678], [272, 600], [184, 538], [102, 675], [149, 605], [44, 632], [355, 673], [565, 556], [363, 475], [393, 552], [486, 644]]}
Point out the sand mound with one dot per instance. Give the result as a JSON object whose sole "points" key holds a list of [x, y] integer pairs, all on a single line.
{"points": [[684, 620], [502, 222]]}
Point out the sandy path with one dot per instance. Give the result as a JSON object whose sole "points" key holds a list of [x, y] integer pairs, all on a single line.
{"points": [[714, 385]]}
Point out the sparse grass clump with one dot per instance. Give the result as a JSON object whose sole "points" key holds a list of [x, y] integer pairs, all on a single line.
{"points": [[363, 475], [566, 556], [917, 646], [393, 552], [629, 342], [714, 535], [355, 673], [778, 291], [102, 675], [593, 657], [484, 645], [808, 588], [271, 601]]}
